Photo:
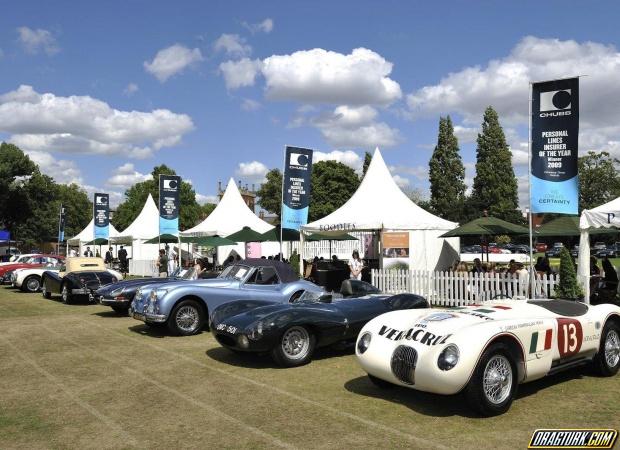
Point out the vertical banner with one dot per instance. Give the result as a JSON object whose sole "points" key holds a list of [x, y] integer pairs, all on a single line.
{"points": [[169, 202], [296, 187], [101, 216], [395, 252], [555, 129], [61, 224]]}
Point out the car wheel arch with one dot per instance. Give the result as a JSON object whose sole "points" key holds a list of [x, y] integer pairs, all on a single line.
{"points": [[199, 301]]}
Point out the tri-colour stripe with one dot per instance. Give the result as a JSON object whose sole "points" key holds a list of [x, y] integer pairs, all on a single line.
{"points": [[540, 341]]}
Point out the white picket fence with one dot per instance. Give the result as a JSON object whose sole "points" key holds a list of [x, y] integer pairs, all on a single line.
{"points": [[461, 288]]}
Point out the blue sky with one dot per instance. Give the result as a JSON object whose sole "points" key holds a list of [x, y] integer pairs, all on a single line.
{"points": [[100, 92]]}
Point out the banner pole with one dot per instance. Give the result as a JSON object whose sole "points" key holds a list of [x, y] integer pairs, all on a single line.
{"points": [[529, 187], [58, 240], [282, 201]]}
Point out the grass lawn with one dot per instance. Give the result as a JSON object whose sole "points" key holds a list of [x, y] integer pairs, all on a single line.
{"points": [[78, 376]]}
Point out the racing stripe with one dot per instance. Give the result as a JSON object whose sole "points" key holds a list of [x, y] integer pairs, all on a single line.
{"points": [[548, 339], [533, 342]]}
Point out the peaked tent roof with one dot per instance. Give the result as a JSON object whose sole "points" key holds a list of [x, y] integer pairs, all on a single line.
{"points": [[606, 215], [230, 215], [146, 225], [379, 203], [88, 233]]}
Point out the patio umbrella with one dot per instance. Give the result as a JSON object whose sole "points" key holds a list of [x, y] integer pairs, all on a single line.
{"points": [[567, 226], [246, 234], [273, 235], [98, 241], [330, 238], [209, 241], [164, 239]]}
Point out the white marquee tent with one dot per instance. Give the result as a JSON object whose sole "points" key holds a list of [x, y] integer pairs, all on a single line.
{"points": [[87, 235], [231, 215], [604, 216], [379, 204], [144, 227]]}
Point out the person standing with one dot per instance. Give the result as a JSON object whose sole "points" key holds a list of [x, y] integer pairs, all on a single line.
{"points": [[88, 253], [162, 264], [109, 257], [72, 253], [172, 256], [356, 266], [122, 258]]}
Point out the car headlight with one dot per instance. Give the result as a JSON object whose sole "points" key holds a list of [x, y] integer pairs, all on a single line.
{"points": [[449, 357], [117, 292], [157, 293], [256, 332], [364, 342], [243, 342]]}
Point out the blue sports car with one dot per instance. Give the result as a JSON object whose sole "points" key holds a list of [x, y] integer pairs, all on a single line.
{"points": [[185, 306]]}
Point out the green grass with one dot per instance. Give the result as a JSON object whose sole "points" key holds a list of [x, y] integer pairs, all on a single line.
{"points": [[78, 376]]}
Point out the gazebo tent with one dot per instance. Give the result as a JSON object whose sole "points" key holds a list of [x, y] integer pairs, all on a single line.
{"points": [[87, 235], [231, 215], [143, 228], [380, 205], [604, 216]]}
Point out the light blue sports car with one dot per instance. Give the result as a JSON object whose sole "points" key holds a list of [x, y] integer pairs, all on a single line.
{"points": [[185, 306]]}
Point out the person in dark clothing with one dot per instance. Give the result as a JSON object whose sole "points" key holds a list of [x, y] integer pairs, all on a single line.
{"points": [[88, 253], [162, 263], [478, 267], [611, 276], [109, 256], [122, 257]]}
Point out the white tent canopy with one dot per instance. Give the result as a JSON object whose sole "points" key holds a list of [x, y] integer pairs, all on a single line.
{"points": [[145, 226], [604, 216], [379, 204], [88, 234]]}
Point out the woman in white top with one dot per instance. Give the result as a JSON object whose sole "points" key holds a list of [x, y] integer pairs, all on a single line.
{"points": [[356, 265]]}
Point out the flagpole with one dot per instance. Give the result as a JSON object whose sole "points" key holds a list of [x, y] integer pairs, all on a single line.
{"points": [[529, 187], [58, 240]]}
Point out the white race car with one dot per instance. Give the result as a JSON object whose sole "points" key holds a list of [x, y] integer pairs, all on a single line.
{"points": [[487, 350], [29, 280]]}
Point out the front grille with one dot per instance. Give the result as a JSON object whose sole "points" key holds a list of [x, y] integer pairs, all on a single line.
{"points": [[403, 363]]}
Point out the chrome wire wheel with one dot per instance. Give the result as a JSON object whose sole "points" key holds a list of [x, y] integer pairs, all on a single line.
{"points": [[33, 284], [187, 318], [64, 294], [43, 290], [295, 343], [612, 348], [497, 379]]}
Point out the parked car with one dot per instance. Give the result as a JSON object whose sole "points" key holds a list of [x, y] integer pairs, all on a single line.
{"points": [[554, 252], [185, 306], [78, 278], [486, 351], [37, 260], [598, 246], [119, 295], [290, 332], [29, 279], [541, 247], [17, 259], [610, 252]]}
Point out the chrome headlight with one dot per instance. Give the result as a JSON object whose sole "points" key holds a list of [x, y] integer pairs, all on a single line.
{"points": [[117, 292], [243, 342], [256, 332], [364, 342], [156, 294], [449, 357]]}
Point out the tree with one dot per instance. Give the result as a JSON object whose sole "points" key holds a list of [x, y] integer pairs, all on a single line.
{"points": [[495, 184], [333, 183], [568, 288], [599, 179], [206, 210], [270, 192], [136, 195], [367, 159], [447, 174]]}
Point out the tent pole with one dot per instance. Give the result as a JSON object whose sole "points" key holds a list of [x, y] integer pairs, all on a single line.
{"points": [[529, 187]]}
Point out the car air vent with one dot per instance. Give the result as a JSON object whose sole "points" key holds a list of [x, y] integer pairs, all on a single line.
{"points": [[403, 363]]}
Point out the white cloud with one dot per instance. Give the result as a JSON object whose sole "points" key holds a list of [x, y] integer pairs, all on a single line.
{"points": [[62, 170], [172, 60], [250, 105], [347, 157], [131, 89], [402, 182], [253, 170], [82, 124], [232, 44], [519, 157], [266, 26], [321, 76], [34, 41], [240, 73], [420, 172], [466, 135], [126, 176], [203, 199]]}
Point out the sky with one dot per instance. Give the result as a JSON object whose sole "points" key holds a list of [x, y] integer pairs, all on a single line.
{"points": [[98, 93]]}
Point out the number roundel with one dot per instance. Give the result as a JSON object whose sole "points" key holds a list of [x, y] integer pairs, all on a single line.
{"points": [[570, 337]]}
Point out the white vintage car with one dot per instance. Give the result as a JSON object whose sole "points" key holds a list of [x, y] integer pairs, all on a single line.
{"points": [[485, 351], [29, 280]]}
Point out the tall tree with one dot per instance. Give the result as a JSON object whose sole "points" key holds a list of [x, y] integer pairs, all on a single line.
{"points": [[367, 159], [270, 192], [599, 179], [135, 196], [495, 184], [333, 183], [447, 174]]}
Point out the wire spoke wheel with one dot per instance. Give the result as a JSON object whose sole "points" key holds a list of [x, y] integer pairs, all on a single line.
{"points": [[497, 379], [32, 284], [187, 318], [612, 348], [295, 343]]}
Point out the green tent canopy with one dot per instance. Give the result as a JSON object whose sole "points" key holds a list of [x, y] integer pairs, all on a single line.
{"points": [[209, 241], [246, 234], [568, 226], [486, 226], [331, 237], [164, 239], [273, 235], [98, 241]]}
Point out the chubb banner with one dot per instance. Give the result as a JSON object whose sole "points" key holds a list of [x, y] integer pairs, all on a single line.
{"points": [[555, 129], [101, 216], [296, 187], [169, 202]]}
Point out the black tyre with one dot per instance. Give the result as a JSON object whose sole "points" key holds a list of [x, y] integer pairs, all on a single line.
{"points": [[295, 347], [187, 318], [607, 360], [382, 384], [120, 310], [44, 291], [31, 284], [493, 385], [65, 294]]}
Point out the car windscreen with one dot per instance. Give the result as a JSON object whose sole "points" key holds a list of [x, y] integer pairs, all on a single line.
{"points": [[237, 272]]}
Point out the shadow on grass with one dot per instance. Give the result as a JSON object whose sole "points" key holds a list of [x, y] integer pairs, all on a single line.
{"points": [[452, 405], [111, 313]]}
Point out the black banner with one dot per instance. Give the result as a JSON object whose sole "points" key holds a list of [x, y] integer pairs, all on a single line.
{"points": [[296, 187], [555, 130], [101, 215], [169, 203]]}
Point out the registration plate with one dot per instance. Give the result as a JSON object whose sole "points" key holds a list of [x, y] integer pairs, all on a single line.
{"points": [[226, 328], [139, 316]]}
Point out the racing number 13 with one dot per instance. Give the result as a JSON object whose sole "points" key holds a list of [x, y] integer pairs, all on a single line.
{"points": [[570, 337]]}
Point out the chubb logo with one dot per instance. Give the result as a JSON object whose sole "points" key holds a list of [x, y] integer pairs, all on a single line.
{"points": [[298, 159], [555, 103], [170, 184], [101, 200]]}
